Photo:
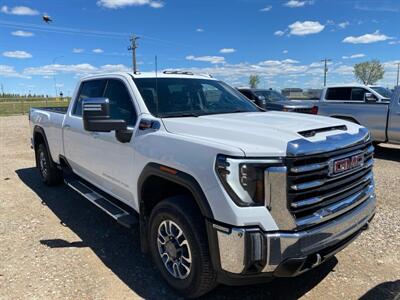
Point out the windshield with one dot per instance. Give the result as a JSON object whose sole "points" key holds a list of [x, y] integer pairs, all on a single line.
{"points": [[180, 97], [386, 93], [271, 96]]}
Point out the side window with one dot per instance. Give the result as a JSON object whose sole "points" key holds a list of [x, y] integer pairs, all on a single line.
{"points": [[121, 106], [211, 93], [247, 94], [357, 94], [339, 94], [89, 89]]}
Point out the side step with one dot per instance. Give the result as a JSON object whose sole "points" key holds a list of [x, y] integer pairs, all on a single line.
{"points": [[111, 208]]}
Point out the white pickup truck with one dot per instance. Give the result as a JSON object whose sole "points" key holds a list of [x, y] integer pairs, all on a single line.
{"points": [[220, 191]]}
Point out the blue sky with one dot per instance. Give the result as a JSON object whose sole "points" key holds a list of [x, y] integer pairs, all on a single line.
{"points": [[282, 41]]}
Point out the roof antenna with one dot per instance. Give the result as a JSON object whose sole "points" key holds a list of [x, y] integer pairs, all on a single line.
{"points": [[156, 64]]}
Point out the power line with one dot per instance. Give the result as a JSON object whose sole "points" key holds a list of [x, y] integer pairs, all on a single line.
{"points": [[325, 61], [133, 48]]}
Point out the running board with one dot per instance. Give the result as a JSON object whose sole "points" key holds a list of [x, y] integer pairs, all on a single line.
{"points": [[116, 212]]}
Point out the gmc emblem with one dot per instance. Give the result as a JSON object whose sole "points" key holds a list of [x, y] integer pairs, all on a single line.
{"points": [[343, 165]]}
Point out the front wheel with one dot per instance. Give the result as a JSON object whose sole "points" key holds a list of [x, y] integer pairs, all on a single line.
{"points": [[179, 247]]}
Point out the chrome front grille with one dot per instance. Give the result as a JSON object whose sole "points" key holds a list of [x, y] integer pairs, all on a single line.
{"points": [[314, 196]]}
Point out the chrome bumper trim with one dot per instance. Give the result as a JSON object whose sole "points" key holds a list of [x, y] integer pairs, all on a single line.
{"points": [[281, 246], [303, 243], [231, 249]]}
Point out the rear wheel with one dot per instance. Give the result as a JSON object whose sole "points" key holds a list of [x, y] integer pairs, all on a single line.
{"points": [[47, 169], [179, 247]]}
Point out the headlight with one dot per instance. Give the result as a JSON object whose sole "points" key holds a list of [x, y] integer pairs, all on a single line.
{"points": [[243, 179]]}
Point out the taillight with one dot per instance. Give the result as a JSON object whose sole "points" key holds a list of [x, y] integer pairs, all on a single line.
{"points": [[314, 110]]}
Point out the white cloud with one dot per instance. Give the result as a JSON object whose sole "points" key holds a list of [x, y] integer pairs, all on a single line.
{"points": [[114, 4], [375, 8], [200, 30], [305, 28], [285, 51], [359, 55], [22, 33], [19, 10], [17, 54], [98, 50], [297, 3], [78, 50], [9, 71], [343, 25], [267, 8], [227, 50], [207, 58], [367, 38], [279, 33], [394, 42], [76, 69], [155, 4]]}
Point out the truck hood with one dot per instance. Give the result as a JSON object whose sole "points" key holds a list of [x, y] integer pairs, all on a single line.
{"points": [[255, 133]]}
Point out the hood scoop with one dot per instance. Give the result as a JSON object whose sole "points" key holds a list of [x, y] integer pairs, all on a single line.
{"points": [[313, 132]]}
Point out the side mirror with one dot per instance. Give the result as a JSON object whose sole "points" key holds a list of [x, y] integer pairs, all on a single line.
{"points": [[369, 97], [261, 101], [96, 116]]}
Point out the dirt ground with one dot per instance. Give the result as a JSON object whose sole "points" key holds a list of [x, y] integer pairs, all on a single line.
{"points": [[56, 245]]}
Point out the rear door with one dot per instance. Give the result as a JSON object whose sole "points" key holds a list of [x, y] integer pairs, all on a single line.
{"points": [[98, 156], [393, 130], [78, 147]]}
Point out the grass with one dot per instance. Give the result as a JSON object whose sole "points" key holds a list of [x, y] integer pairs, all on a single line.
{"points": [[22, 107]]}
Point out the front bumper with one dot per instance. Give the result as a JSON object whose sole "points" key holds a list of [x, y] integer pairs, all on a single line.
{"points": [[249, 252]]}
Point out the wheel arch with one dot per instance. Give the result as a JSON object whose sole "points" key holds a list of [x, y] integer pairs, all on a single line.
{"points": [[157, 182], [39, 137]]}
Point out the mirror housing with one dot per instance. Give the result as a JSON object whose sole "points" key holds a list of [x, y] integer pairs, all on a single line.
{"points": [[96, 116], [261, 101], [370, 97]]}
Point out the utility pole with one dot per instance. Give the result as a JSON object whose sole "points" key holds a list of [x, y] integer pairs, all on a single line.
{"points": [[398, 73], [2, 89], [133, 48], [326, 60]]}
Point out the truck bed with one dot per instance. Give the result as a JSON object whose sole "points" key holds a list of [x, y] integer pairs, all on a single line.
{"points": [[50, 119], [56, 109]]}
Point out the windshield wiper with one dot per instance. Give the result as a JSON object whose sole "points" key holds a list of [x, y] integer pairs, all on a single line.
{"points": [[181, 115]]}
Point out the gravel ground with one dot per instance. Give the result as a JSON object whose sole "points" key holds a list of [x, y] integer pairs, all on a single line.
{"points": [[56, 245]]}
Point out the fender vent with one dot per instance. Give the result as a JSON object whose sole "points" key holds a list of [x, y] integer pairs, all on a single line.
{"points": [[313, 132]]}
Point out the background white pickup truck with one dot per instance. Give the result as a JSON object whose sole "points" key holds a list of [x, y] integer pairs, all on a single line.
{"points": [[374, 107], [221, 191]]}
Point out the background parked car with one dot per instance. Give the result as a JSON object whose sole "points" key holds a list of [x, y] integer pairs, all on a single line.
{"points": [[374, 107], [272, 100]]}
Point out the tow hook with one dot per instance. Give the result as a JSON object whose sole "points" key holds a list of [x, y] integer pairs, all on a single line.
{"points": [[318, 260]]}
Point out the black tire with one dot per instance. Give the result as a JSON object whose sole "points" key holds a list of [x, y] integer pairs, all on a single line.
{"points": [[48, 171], [180, 210]]}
